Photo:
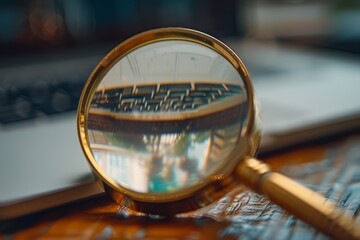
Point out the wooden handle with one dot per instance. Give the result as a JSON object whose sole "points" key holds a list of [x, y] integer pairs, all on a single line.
{"points": [[304, 203]]}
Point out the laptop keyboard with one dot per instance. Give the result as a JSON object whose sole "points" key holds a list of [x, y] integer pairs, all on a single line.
{"points": [[162, 97], [22, 103], [42, 98]]}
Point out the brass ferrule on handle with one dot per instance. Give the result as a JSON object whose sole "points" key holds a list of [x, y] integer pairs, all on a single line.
{"points": [[304, 203]]}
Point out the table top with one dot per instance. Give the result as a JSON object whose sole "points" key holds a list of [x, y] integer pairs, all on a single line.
{"points": [[331, 167]]}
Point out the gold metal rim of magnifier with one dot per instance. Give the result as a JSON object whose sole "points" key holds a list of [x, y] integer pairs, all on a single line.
{"points": [[191, 198]]}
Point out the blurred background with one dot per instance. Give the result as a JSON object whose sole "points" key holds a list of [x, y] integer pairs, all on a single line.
{"points": [[49, 47], [44, 25]]}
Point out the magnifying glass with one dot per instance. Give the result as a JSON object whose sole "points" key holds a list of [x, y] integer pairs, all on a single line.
{"points": [[168, 123]]}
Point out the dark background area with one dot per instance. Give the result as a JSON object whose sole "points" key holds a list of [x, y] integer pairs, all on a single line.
{"points": [[50, 25], [48, 48], [35, 26]]}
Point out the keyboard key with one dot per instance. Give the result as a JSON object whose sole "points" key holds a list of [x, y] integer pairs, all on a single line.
{"points": [[20, 109], [201, 100], [160, 95], [208, 87], [176, 87], [138, 107], [127, 91], [135, 99], [147, 90], [197, 94], [125, 106], [39, 93], [61, 101], [23, 107], [234, 88], [176, 95]]}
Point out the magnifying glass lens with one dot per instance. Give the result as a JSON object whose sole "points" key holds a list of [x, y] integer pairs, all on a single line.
{"points": [[166, 117]]}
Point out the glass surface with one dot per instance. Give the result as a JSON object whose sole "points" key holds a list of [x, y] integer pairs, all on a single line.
{"points": [[167, 116]]}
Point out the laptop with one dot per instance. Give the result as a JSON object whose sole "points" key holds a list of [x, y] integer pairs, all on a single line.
{"points": [[303, 95]]}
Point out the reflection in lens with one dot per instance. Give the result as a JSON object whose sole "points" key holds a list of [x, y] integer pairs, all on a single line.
{"points": [[166, 116]]}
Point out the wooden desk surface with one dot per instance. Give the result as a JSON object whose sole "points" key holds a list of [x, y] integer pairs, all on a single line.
{"points": [[332, 168]]}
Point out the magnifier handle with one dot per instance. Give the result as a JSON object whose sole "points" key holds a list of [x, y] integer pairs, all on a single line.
{"points": [[304, 203]]}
